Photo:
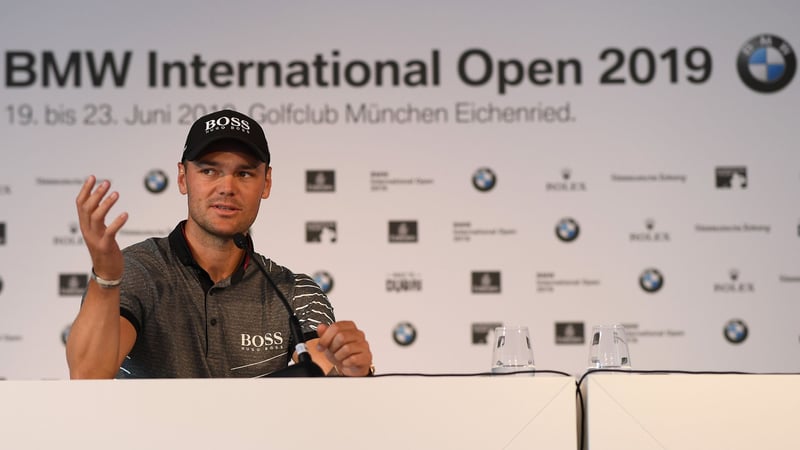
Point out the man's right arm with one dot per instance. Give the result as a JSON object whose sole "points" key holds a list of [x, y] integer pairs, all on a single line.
{"points": [[100, 338]]}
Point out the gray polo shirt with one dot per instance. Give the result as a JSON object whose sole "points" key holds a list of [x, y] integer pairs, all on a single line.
{"points": [[189, 327]]}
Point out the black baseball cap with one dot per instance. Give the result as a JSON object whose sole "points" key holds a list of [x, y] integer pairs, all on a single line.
{"points": [[225, 124]]}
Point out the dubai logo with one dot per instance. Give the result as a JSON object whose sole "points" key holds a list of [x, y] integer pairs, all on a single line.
{"points": [[766, 63], [404, 334], [651, 280], [484, 179], [403, 282], [156, 181], [567, 229]]}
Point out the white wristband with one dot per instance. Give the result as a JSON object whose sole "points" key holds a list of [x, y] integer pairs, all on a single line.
{"points": [[105, 284]]}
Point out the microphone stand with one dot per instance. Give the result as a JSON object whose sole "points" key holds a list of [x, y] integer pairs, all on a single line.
{"points": [[304, 367]]}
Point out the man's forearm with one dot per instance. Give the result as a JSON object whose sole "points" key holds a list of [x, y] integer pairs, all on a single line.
{"points": [[93, 347]]}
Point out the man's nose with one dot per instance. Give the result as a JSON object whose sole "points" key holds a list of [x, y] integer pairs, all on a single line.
{"points": [[226, 185]]}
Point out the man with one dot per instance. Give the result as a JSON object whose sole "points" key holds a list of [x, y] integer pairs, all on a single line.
{"points": [[194, 304]]}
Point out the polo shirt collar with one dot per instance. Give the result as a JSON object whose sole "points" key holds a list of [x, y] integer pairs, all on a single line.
{"points": [[179, 246]]}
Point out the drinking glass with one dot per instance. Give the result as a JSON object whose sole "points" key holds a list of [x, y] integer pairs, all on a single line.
{"points": [[609, 348], [512, 350]]}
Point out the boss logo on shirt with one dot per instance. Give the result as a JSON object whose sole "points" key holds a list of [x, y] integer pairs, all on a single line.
{"points": [[259, 342]]}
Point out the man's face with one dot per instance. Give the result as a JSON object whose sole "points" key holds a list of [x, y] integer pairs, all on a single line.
{"points": [[224, 189]]}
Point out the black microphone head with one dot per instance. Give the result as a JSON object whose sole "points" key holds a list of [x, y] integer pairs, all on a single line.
{"points": [[240, 240]]}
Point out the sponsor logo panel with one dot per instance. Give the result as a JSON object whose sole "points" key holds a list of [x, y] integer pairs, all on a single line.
{"points": [[321, 232], [486, 282], [72, 284], [403, 231], [570, 333], [483, 332], [320, 181]]}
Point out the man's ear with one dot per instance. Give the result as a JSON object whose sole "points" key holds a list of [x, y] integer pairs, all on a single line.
{"points": [[182, 178], [268, 184]]}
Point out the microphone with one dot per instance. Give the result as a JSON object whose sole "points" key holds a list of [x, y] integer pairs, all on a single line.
{"points": [[304, 367]]}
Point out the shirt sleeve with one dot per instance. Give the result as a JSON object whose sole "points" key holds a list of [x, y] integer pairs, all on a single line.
{"points": [[135, 290], [311, 305]]}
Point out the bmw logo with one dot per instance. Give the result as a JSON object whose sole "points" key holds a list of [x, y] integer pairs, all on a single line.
{"points": [[735, 331], [651, 280], [484, 179], [156, 181], [567, 229], [766, 63], [324, 280], [404, 334]]}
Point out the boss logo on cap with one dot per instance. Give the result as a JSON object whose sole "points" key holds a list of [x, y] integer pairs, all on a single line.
{"points": [[224, 121]]}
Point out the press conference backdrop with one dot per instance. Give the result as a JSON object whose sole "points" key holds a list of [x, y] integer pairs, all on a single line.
{"points": [[439, 167]]}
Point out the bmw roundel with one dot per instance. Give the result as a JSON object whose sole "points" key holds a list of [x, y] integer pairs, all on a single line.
{"points": [[324, 280], [651, 280], [567, 229], [735, 331], [404, 334], [766, 63], [156, 181], [484, 179]]}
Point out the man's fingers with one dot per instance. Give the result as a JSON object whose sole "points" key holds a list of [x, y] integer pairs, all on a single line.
{"points": [[80, 201], [97, 195], [345, 346], [100, 212], [351, 353], [338, 335], [86, 189], [356, 364], [88, 205], [326, 335], [114, 227]]}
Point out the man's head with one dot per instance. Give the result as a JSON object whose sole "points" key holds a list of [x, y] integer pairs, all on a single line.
{"points": [[225, 174], [226, 125]]}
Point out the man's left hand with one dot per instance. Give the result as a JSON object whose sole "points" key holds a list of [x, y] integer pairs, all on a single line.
{"points": [[346, 347]]}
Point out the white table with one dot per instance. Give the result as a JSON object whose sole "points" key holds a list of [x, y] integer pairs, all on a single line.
{"points": [[683, 412], [511, 412]]}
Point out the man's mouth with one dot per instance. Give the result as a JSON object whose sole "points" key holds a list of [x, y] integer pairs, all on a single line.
{"points": [[225, 207]]}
